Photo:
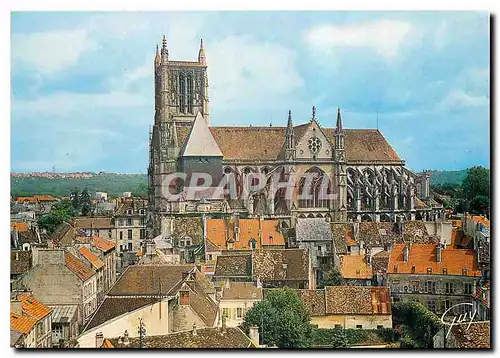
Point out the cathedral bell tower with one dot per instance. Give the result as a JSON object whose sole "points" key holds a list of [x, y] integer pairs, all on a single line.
{"points": [[181, 93], [340, 168]]}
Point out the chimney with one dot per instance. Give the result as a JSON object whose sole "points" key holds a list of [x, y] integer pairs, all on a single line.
{"points": [[405, 253], [285, 267], [126, 341], [99, 339], [254, 335], [368, 259], [205, 235], [120, 340], [438, 253], [194, 330], [237, 226], [258, 283]]}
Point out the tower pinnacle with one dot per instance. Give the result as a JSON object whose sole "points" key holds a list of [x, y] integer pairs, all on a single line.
{"points": [[338, 129], [157, 57], [164, 50], [313, 113], [201, 54]]}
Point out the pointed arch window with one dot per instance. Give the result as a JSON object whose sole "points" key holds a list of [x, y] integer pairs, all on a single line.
{"points": [[190, 94], [314, 193], [182, 93]]}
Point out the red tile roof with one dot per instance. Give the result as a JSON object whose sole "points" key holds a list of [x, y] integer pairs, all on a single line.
{"points": [[19, 226], [93, 222], [220, 230], [102, 244], [266, 143], [355, 267], [32, 307], [91, 257], [77, 267], [23, 324], [423, 256], [482, 220]]}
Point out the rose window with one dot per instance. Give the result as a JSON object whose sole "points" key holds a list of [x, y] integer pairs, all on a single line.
{"points": [[314, 145]]}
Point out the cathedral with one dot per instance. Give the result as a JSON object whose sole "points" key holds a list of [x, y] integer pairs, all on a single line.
{"points": [[362, 175]]}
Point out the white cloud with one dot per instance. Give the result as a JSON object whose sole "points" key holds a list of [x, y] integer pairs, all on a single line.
{"points": [[129, 78], [441, 37], [457, 99], [52, 51], [64, 103], [244, 72], [383, 36]]}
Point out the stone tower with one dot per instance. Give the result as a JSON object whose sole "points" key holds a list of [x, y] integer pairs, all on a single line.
{"points": [[181, 92], [340, 168]]}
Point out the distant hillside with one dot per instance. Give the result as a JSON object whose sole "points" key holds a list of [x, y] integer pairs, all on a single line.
{"points": [[439, 177], [113, 184], [116, 184]]}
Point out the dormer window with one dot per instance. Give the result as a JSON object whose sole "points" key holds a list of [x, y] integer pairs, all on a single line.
{"points": [[445, 271], [413, 269], [395, 268], [464, 272], [429, 270]]}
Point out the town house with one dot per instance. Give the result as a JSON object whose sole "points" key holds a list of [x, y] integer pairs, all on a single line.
{"points": [[58, 278], [435, 276]]}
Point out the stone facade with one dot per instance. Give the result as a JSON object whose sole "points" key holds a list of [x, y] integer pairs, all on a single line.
{"points": [[436, 292], [50, 276], [130, 223], [156, 315]]}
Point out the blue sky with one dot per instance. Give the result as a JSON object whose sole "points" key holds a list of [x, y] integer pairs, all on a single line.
{"points": [[82, 86]]}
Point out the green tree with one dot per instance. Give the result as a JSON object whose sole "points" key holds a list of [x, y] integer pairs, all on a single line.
{"points": [[332, 277], [74, 196], [85, 202], [282, 318], [480, 204], [339, 338], [420, 325], [50, 221], [477, 182], [476, 190], [59, 213]]}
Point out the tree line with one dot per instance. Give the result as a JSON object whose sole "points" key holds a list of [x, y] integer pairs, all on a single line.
{"points": [[472, 195]]}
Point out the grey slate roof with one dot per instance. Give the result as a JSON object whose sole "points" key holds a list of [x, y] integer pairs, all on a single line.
{"points": [[316, 229], [63, 313], [201, 142]]}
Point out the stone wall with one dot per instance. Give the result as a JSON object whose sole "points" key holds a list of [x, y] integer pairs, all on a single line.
{"points": [[352, 321]]}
